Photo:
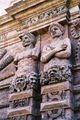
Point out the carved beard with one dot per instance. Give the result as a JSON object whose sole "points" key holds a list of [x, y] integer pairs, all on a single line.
{"points": [[56, 34], [25, 44]]}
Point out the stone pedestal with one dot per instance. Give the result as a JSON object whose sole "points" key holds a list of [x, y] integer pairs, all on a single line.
{"points": [[57, 101], [24, 105]]}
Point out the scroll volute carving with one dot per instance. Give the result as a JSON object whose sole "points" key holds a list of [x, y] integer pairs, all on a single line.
{"points": [[56, 53], [7, 68]]}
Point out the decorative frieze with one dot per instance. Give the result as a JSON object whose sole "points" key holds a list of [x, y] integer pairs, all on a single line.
{"points": [[23, 117], [57, 114], [20, 103], [75, 33], [3, 36], [44, 16], [23, 82], [56, 101], [56, 74]]}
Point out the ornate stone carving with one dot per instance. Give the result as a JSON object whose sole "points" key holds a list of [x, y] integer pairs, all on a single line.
{"points": [[56, 114], [55, 57], [75, 33], [3, 36], [54, 96], [23, 117], [44, 16], [19, 84], [33, 79], [53, 114], [44, 79], [26, 75], [56, 74], [75, 29], [20, 103]]}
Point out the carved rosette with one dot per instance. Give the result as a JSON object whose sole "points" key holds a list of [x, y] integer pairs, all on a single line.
{"points": [[56, 74], [44, 16]]}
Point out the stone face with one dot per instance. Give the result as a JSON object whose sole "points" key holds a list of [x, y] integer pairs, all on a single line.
{"points": [[40, 60]]}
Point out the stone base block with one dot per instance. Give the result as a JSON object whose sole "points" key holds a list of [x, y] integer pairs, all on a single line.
{"points": [[57, 101], [24, 105], [25, 117], [58, 114]]}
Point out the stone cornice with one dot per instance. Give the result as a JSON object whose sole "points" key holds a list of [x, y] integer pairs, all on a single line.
{"points": [[28, 5], [23, 6], [30, 16]]}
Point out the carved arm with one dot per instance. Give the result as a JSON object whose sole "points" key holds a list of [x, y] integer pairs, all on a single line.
{"points": [[67, 52], [46, 55]]}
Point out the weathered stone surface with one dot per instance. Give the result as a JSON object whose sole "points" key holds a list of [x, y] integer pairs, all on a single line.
{"points": [[7, 72], [50, 30]]}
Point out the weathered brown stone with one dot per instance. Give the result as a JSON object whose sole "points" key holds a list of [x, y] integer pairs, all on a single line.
{"points": [[58, 74]]}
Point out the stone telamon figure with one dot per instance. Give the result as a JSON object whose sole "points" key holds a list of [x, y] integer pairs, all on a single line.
{"points": [[26, 73], [55, 55]]}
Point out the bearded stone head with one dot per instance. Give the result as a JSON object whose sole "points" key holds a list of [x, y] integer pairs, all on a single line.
{"points": [[20, 83], [28, 39], [56, 30]]}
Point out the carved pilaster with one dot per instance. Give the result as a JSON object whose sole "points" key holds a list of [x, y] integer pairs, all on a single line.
{"points": [[56, 78]]}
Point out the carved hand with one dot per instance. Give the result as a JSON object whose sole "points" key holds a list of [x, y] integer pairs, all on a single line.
{"points": [[64, 46]]}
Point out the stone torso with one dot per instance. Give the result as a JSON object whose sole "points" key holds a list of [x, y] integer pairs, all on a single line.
{"points": [[57, 59], [25, 63]]}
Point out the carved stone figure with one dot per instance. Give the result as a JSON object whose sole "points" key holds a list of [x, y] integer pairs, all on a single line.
{"points": [[26, 64], [75, 33], [75, 29], [20, 103], [55, 55]]}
